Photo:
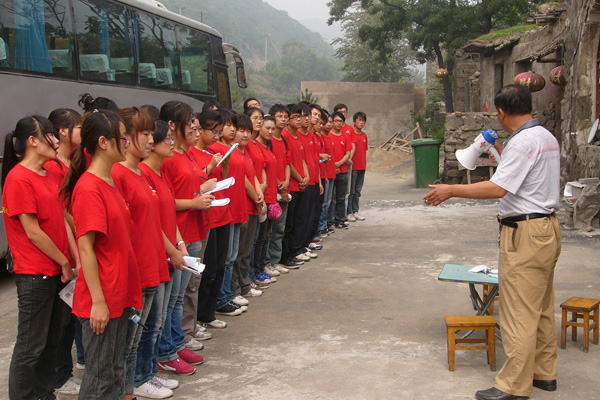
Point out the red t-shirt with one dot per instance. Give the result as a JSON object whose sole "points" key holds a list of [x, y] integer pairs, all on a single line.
{"points": [[282, 156], [58, 168], [312, 156], [330, 165], [271, 170], [341, 144], [297, 155], [347, 129], [359, 161], [184, 174], [99, 207], [237, 192], [251, 175], [258, 160], [27, 192], [217, 216], [168, 215], [147, 238]]}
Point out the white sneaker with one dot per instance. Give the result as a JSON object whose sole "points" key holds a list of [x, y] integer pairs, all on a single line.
{"points": [[310, 254], [202, 335], [271, 271], [70, 387], [254, 293], [166, 381], [194, 345], [358, 217], [351, 218], [217, 324], [200, 327], [152, 390], [240, 300], [281, 269], [80, 366], [303, 257]]}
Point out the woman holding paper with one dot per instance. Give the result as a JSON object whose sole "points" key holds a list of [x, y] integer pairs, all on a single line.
{"points": [[215, 257], [108, 285], [189, 183], [39, 240]]}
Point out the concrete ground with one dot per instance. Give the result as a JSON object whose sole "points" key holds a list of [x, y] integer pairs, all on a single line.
{"points": [[366, 319]]}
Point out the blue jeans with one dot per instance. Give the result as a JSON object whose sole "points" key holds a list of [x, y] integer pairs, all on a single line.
{"points": [[356, 185], [167, 351], [234, 246], [274, 247], [148, 348], [40, 323], [323, 223], [105, 371], [134, 333]]}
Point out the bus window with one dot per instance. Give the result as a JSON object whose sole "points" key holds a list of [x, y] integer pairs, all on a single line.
{"points": [[158, 55], [104, 38], [196, 61], [36, 36]]}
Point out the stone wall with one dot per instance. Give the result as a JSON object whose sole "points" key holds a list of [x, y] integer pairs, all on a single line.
{"points": [[463, 128], [387, 105]]}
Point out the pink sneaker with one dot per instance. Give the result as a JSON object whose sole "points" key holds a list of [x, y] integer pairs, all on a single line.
{"points": [[177, 366], [190, 357]]}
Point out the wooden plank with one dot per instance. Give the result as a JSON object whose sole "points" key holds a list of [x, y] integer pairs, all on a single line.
{"points": [[420, 133]]}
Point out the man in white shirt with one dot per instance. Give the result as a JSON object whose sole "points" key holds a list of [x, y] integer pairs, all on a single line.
{"points": [[527, 182]]}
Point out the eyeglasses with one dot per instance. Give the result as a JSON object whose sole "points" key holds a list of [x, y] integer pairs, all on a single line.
{"points": [[216, 132], [170, 139], [297, 117], [257, 118]]}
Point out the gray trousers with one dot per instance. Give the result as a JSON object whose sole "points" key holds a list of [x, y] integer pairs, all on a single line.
{"points": [[240, 281], [190, 300]]}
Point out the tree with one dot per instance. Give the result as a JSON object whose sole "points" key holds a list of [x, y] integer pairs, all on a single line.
{"points": [[432, 27], [361, 62]]}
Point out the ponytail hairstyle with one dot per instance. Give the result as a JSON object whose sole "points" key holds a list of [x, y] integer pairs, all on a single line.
{"points": [[94, 125], [208, 119], [179, 113], [137, 120], [161, 132], [64, 118], [88, 103], [16, 141]]}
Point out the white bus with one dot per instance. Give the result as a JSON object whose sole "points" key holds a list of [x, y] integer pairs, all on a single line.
{"points": [[134, 52]]}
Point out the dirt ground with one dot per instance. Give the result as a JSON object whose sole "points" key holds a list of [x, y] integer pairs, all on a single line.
{"points": [[365, 320]]}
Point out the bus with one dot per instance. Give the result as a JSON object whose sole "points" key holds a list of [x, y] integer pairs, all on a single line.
{"points": [[134, 52]]}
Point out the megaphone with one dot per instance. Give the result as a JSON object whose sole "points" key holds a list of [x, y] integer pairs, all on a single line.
{"points": [[484, 142]]}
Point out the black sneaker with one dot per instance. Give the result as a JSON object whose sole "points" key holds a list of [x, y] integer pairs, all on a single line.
{"points": [[241, 308], [228, 309], [330, 229], [292, 264], [341, 225]]}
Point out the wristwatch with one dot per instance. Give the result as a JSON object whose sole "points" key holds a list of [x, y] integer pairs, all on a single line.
{"points": [[179, 243]]}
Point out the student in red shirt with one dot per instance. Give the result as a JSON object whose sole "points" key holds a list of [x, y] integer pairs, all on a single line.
{"points": [[39, 240], [189, 183], [328, 170], [254, 205], [147, 241], [109, 282], [293, 236], [146, 368], [359, 165], [341, 154], [68, 132]]}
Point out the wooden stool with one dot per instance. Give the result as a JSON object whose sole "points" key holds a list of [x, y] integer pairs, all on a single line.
{"points": [[580, 308], [475, 322]]}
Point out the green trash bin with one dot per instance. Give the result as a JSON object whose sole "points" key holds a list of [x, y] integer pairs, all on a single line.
{"points": [[427, 161]]}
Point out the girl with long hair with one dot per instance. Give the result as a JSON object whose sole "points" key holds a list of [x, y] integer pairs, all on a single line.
{"points": [[38, 237]]}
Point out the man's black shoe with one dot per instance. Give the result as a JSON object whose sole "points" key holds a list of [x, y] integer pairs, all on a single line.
{"points": [[549, 385], [496, 394]]}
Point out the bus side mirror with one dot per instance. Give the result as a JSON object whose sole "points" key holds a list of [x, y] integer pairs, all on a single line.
{"points": [[240, 70]]}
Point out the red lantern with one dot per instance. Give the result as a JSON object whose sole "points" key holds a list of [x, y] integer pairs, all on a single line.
{"points": [[442, 73], [557, 76], [531, 81]]}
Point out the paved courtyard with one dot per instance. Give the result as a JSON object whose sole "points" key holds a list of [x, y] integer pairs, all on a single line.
{"points": [[366, 319]]}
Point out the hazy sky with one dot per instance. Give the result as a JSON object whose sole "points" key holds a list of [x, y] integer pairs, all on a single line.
{"points": [[312, 13]]}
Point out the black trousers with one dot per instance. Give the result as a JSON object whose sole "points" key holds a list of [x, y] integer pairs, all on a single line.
{"points": [[215, 258]]}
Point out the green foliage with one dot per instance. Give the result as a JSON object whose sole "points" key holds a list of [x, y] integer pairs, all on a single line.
{"points": [[361, 62], [307, 96], [507, 32], [431, 121]]}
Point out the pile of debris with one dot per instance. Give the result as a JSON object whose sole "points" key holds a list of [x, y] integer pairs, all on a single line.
{"points": [[400, 142], [582, 204]]}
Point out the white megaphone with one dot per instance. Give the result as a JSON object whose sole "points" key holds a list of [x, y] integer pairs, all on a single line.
{"points": [[484, 142]]}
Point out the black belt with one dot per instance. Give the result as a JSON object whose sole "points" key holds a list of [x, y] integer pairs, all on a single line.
{"points": [[512, 221]]}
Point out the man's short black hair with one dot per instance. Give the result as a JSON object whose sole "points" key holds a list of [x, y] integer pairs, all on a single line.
{"points": [[338, 114], [339, 106], [248, 100], [358, 115], [514, 100], [208, 104], [295, 109], [275, 108]]}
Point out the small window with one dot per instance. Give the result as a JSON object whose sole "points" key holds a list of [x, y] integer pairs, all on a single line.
{"points": [[104, 37], [498, 77], [522, 66], [196, 61], [158, 53], [37, 36]]}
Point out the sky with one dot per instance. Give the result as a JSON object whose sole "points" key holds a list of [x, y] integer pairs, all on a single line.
{"points": [[311, 13]]}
